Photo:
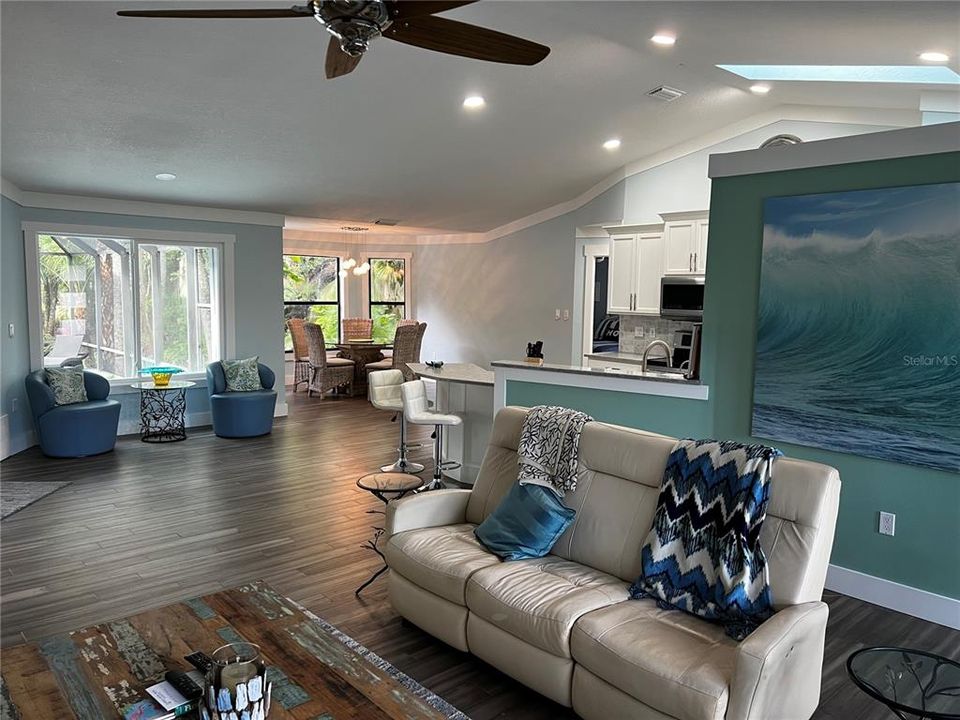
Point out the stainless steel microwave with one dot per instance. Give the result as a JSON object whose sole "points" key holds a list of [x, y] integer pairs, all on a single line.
{"points": [[681, 297]]}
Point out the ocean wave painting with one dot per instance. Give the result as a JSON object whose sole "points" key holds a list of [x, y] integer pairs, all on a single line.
{"points": [[858, 337]]}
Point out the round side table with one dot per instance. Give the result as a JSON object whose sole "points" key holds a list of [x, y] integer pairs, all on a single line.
{"points": [[162, 410], [385, 487], [912, 683]]}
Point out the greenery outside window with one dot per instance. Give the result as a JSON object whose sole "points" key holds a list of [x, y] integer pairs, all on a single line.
{"points": [[311, 291], [116, 305], [387, 293]]}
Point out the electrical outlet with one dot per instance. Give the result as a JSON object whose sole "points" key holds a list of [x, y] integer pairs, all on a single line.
{"points": [[10, 330], [888, 523], [638, 332]]}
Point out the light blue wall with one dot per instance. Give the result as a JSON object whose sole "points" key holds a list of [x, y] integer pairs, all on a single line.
{"points": [[15, 355], [258, 285]]}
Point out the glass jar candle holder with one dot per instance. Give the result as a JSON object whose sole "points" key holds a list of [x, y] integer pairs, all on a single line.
{"points": [[236, 685]]}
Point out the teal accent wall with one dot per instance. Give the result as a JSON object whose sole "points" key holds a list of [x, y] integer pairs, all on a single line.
{"points": [[925, 553], [666, 415]]}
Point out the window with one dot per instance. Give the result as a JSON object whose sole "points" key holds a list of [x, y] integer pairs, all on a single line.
{"points": [[311, 291], [117, 304], [387, 293]]}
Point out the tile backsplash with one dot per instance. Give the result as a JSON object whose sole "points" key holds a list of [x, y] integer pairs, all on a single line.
{"points": [[638, 331]]}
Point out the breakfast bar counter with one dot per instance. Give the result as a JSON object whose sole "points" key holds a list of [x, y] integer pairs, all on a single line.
{"points": [[625, 380], [467, 390]]}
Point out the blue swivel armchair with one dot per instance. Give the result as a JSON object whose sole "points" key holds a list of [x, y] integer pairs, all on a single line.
{"points": [[241, 414], [75, 430]]}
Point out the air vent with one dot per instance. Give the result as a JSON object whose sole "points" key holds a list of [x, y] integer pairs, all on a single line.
{"points": [[385, 221], [665, 93], [352, 228]]}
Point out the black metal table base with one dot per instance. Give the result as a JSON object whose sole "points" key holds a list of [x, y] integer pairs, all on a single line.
{"points": [[162, 415], [378, 531]]}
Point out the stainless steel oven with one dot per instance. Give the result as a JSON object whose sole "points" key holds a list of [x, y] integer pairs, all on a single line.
{"points": [[681, 297]]}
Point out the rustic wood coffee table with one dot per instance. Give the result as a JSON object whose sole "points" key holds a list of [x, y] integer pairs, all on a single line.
{"points": [[316, 671]]}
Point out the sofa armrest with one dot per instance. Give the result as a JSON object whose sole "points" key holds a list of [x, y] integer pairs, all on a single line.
{"points": [[429, 509], [778, 667]]}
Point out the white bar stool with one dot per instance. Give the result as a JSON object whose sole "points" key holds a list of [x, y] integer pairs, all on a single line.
{"points": [[416, 409], [384, 393]]}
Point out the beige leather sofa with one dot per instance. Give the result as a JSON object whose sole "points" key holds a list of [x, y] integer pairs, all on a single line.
{"points": [[563, 624]]}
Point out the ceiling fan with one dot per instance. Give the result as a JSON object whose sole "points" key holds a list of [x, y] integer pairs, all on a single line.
{"points": [[354, 23]]}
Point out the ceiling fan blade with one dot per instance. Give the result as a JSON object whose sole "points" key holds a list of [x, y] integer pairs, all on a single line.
{"points": [[402, 9], [291, 12], [472, 41], [338, 62]]}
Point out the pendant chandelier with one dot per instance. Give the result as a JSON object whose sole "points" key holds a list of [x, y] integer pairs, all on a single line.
{"points": [[350, 264]]}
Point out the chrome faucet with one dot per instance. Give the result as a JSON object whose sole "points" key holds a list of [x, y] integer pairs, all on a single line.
{"points": [[651, 346]]}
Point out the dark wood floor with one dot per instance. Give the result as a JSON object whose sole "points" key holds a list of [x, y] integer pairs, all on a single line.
{"points": [[148, 525]]}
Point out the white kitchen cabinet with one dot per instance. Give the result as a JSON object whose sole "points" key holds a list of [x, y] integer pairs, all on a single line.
{"points": [[621, 276], [636, 265], [649, 271], [685, 243]]}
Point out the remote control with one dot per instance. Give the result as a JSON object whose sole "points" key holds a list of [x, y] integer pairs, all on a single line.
{"points": [[183, 684], [200, 660]]}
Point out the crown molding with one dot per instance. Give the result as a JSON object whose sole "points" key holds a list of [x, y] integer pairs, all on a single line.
{"points": [[148, 209], [907, 142], [11, 191]]}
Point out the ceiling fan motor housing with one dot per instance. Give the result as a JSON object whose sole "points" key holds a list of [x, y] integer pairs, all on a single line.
{"points": [[353, 22]]}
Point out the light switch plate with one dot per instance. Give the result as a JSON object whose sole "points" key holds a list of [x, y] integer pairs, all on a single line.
{"points": [[10, 330], [556, 314], [888, 523]]}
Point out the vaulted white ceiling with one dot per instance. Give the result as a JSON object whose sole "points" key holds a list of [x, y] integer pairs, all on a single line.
{"points": [[240, 110]]}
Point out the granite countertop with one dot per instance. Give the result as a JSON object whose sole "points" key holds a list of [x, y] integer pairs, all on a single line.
{"points": [[466, 373], [650, 375]]}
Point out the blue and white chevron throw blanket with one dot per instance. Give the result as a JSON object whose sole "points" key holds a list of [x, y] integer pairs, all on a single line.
{"points": [[703, 553]]}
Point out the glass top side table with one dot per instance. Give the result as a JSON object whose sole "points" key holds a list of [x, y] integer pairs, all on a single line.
{"points": [[163, 410], [912, 683], [385, 487]]}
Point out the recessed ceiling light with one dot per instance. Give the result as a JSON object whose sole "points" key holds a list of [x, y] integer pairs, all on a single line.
{"points": [[611, 144], [165, 176], [932, 56], [662, 38], [474, 102], [759, 89]]}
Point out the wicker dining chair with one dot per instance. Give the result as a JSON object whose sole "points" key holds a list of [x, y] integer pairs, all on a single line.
{"points": [[357, 328], [388, 353], [301, 354], [326, 373], [405, 350]]}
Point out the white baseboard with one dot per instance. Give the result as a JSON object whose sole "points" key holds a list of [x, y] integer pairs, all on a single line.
{"points": [[281, 410], [902, 598]]}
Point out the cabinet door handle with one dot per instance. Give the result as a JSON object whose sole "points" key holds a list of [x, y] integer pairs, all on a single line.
{"points": [[690, 262], [695, 261]]}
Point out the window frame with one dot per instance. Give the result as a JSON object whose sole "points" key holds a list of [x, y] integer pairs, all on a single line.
{"points": [[136, 236], [368, 302], [308, 303]]}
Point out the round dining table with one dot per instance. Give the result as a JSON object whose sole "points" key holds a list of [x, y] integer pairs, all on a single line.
{"points": [[361, 352]]}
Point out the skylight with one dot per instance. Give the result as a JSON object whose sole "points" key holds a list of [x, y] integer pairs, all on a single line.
{"points": [[924, 74]]}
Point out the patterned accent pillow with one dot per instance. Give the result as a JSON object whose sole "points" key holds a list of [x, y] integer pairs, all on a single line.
{"points": [[703, 553], [67, 385], [242, 375]]}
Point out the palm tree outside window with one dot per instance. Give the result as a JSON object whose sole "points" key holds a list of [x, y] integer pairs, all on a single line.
{"points": [[387, 293]]}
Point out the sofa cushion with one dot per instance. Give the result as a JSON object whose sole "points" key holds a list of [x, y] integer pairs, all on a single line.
{"points": [[674, 662], [526, 524], [439, 559], [539, 600]]}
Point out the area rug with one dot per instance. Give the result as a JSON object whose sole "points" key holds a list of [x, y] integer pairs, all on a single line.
{"points": [[315, 669], [15, 495]]}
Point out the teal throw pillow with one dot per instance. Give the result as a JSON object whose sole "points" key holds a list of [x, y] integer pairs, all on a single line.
{"points": [[242, 375], [526, 524], [67, 385]]}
